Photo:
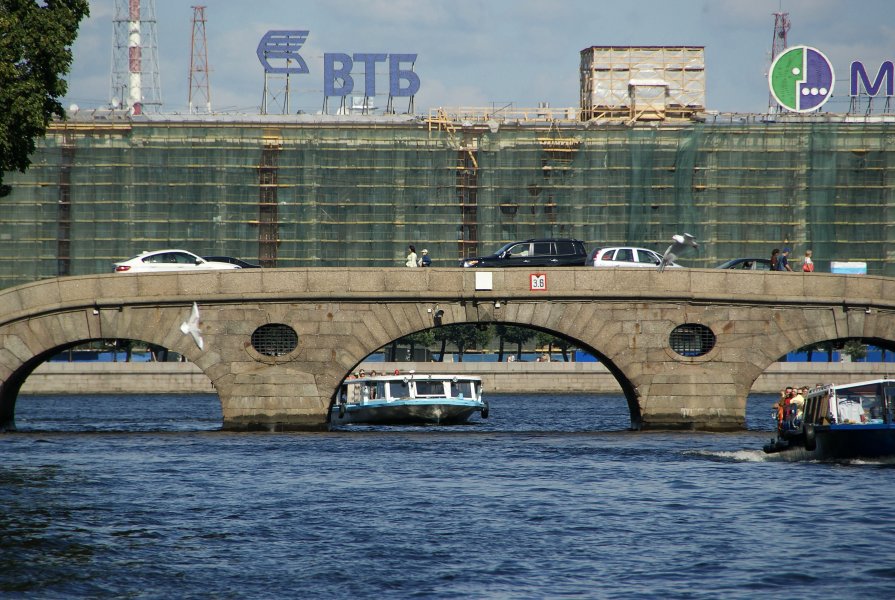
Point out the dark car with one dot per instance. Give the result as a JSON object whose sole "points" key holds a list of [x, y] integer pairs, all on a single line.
{"points": [[233, 261], [534, 253], [747, 264]]}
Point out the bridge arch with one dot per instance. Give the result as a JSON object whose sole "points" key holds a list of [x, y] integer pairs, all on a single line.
{"points": [[627, 387], [814, 325], [29, 344]]}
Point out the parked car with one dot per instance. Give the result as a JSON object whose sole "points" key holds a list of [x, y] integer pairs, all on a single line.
{"points": [[747, 264], [534, 253], [233, 261], [626, 256], [169, 260]]}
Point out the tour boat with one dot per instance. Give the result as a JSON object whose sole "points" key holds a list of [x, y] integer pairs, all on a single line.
{"points": [[408, 399], [855, 420]]}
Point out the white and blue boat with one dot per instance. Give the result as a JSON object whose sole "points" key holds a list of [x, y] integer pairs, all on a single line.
{"points": [[855, 420], [408, 399]]}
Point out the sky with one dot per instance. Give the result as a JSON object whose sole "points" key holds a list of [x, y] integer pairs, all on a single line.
{"points": [[484, 53]]}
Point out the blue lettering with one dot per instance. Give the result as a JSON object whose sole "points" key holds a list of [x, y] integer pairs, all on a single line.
{"points": [[859, 73], [338, 81], [331, 74], [397, 74], [370, 61]]}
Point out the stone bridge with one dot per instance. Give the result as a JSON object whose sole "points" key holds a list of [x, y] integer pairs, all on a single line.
{"points": [[685, 345]]}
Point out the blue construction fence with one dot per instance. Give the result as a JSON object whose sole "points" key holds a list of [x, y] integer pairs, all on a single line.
{"points": [[874, 355]]}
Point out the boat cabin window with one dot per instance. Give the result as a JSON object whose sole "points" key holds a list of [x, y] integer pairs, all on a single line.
{"points": [[889, 403], [430, 389], [848, 409], [873, 409], [860, 408], [351, 393], [466, 388], [399, 389]]}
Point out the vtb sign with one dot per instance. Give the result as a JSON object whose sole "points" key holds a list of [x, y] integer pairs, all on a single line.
{"points": [[338, 81], [801, 79], [278, 53]]}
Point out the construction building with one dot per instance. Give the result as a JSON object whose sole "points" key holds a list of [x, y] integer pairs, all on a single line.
{"points": [[640, 160]]}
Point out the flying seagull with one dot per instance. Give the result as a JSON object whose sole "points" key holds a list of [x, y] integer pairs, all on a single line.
{"points": [[681, 243], [191, 326]]}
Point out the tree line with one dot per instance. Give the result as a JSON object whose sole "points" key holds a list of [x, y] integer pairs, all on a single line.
{"points": [[35, 55], [509, 339]]}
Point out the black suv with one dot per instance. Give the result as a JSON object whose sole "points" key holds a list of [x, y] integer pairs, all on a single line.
{"points": [[534, 253]]}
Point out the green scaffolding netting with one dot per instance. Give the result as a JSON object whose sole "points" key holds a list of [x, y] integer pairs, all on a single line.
{"points": [[335, 195]]}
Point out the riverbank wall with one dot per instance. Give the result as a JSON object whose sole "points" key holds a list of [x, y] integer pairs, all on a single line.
{"points": [[510, 378]]}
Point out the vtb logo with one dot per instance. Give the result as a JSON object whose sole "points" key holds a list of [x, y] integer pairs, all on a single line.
{"points": [[801, 79], [282, 47]]}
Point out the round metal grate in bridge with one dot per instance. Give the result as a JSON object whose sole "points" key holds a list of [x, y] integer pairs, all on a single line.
{"points": [[692, 339], [274, 339]]}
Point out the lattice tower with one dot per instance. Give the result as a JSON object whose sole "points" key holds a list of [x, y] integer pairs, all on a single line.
{"points": [[199, 83], [778, 45], [135, 67]]}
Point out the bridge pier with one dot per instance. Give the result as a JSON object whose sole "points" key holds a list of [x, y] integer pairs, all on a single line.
{"points": [[690, 404], [277, 399]]}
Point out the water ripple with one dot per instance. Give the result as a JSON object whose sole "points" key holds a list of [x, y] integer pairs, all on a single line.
{"points": [[106, 505]]}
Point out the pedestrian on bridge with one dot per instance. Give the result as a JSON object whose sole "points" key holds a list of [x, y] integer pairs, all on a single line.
{"points": [[411, 257], [425, 261], [783, 261], [807, 263]]}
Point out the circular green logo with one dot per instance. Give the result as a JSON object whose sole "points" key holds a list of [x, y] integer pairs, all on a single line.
{"points": [[801, 79]]}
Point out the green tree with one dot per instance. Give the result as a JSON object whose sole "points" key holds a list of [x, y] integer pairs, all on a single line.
{"points": [[35, 55], [519, 336], [421, 338], [469, 336], [855, 349], [441, 336], [500, 331], [542, 338], [463, 336]]}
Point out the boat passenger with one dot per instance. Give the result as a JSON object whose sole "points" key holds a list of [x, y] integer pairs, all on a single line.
{"points": [[796, 404], [782, 407]]}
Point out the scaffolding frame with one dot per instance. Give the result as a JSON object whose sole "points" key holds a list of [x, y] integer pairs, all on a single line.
{"points": [[356, 193]]}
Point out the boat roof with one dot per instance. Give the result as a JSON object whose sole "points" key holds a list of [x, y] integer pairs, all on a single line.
{"points": [[852, 386], [857, 384], [413, 376]]}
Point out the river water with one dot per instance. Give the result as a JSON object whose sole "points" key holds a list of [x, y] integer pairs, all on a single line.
{"points": [[144, 497]]}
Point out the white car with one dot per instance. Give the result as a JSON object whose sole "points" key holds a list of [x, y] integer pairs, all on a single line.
{"points": [[626, 257], [169, 260]]}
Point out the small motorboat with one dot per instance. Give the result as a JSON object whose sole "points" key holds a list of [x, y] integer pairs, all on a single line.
{"points": [[408, 399], [855, 420]]}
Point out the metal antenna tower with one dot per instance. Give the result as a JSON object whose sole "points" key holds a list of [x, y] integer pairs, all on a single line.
{"points": [[778, 45], [199, 86], [135, 72]]}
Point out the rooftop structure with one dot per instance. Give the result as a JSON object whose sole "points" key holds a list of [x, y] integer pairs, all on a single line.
{"points": [[642, 82]]}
